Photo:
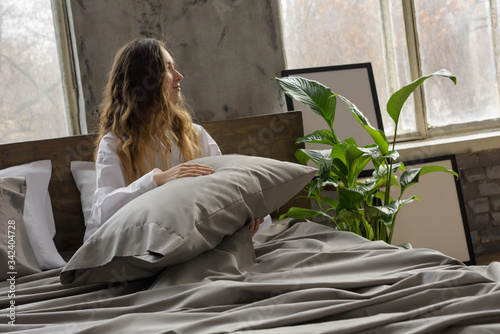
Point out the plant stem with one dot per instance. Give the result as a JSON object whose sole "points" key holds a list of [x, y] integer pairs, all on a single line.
{"points": [[389, 240], [394, 220], [389, 171], [388, 181]]}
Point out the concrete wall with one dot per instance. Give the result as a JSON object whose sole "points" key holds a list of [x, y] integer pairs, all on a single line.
{"points": [[480, 181], [227, 50]]}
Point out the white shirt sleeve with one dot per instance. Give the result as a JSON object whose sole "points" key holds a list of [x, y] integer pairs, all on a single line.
{"points": [[208, 145], [112, 193]]}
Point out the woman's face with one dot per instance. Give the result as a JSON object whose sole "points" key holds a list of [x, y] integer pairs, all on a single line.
{"points": [[174, 78]]}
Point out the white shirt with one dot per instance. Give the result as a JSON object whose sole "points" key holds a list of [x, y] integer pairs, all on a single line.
{"points": [[111, 191]]}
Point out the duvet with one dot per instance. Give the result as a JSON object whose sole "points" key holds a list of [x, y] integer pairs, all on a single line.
{"points": [[294, 277]]}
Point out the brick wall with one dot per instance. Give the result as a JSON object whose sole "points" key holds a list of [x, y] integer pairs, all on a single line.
{"points": [[480, 180]]}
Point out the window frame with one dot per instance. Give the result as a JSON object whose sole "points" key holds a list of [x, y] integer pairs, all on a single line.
{"points": [[60, 16], [423, 131]]}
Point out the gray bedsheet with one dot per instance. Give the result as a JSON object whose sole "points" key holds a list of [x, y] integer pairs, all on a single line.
{"points": [[302, 278]]}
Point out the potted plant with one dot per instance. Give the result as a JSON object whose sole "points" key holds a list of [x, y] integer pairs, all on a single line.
{"points": [[365, 208]]}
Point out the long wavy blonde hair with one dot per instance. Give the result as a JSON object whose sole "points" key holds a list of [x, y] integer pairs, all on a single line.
{"points": [[137, 108]]}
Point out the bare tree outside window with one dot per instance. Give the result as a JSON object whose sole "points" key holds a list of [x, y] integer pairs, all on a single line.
{"points": [[458, 36], [31, 95]]}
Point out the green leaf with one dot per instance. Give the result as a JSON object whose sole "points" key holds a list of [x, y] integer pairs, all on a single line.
{"points": [[381, 172], [301, 156], [368, 185], [329, 201], [372, 150], [319, 137], [339, 171], [313, 188], [348, 220], [352, 153], [350, 198], [392, 155], [409, 177], [384, 213], [405, 246], [397, 100], [436, 168], [377, 135], [403, 202], [302, 213], [338, 152], [381, 196], [339, 162], [330, 183], [355, 160], [371, 189], [368, 229], [325, 167], [319, 98], [412, 176], [358, 166], [304, 155]]}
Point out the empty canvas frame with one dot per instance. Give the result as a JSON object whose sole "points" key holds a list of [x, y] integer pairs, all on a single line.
{"points": [[357, 84], [439, 220]]}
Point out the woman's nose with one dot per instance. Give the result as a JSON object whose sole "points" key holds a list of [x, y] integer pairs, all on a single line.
{"points": [[179, 76]]}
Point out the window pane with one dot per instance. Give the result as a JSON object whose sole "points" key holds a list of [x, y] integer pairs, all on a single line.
{"points": [[458, 36], [31, 98], [337, 32], [407, 121]]}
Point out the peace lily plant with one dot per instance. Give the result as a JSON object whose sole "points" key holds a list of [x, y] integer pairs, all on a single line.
{"points": [[365, 208]]}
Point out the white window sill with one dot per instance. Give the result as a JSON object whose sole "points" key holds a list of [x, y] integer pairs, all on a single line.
{"points": [[429, 148]]}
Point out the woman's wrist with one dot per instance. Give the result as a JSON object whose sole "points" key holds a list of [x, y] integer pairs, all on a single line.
{"points": [[157, 176]]}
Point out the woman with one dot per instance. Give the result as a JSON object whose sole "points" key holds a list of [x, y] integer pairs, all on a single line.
{"points": [[145, 133]]}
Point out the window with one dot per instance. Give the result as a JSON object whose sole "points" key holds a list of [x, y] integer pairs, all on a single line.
{"points": [[403, 40], [32, 101]]}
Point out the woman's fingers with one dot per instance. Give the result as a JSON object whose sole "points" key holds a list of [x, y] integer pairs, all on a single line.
{"points": [[182, 170], [195, 169], [188, 169], [254, 225]]}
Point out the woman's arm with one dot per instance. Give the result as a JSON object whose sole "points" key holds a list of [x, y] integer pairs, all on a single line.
{"points": [[111, 191], [208, 148]]}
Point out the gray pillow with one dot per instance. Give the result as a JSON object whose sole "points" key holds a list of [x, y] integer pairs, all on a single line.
{"points": [[176, 222], [16, 254]]}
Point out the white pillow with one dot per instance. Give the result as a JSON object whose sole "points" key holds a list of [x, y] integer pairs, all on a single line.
{"points": [[12, 197], [84, 176], [37, 214]]}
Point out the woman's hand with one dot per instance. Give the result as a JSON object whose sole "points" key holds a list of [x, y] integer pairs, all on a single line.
{"points": [[182, 170], [254, 226]]}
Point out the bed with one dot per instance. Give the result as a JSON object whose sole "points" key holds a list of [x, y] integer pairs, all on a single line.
{"points": [[213, 277]]}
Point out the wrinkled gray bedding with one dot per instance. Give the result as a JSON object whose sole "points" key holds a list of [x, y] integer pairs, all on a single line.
{"points": [[295, 278]]}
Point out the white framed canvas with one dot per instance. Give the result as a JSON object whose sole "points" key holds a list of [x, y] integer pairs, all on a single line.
{"points": [[439, 220], [354, 81]]}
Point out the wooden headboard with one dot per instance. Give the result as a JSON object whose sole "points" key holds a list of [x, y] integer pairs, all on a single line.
{"points": [[271, 136]]}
